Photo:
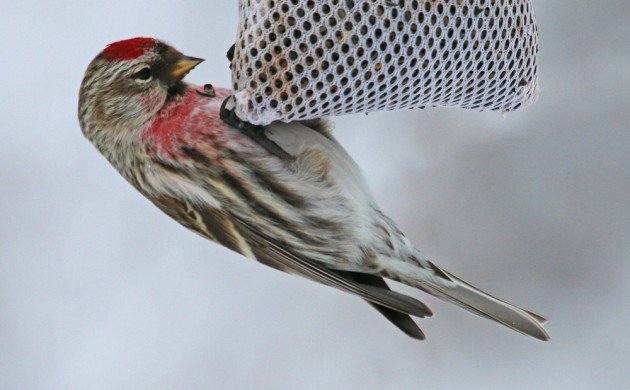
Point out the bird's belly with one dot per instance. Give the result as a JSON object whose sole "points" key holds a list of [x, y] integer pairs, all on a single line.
{"points": [[340, 211]]}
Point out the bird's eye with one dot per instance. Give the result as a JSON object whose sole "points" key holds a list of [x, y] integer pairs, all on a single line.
{"points": [[143, 74]]}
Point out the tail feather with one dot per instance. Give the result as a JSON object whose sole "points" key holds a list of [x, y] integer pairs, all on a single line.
{"points": [[449, 287], [472, 299], [542, 320]]}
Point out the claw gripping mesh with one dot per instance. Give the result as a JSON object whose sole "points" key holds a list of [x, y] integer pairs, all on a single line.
{"points": [[304, 59]]}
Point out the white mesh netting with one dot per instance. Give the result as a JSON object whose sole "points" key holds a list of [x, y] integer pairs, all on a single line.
{"points": [[305, 59]]}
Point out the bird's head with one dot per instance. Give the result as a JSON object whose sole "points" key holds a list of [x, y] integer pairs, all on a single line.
{"points": [[127, 84]]}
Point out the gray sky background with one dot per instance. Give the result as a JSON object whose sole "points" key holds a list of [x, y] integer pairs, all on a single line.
{"points": [[98, 289]]}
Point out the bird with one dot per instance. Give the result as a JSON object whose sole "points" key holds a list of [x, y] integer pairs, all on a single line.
{"points": [[306, 211]]}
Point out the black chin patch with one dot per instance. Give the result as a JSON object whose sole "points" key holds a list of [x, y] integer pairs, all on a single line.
{"points": [[177, 90]]}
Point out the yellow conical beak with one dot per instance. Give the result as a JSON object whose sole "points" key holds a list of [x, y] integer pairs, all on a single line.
{"points": [[183, 66]]}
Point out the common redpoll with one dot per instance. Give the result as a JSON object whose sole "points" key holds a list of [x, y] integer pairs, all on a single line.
{"points": [[305, 211]]}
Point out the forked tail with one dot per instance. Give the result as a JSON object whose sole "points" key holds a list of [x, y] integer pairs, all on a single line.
{"points": [[449, 287], [481, 303]]}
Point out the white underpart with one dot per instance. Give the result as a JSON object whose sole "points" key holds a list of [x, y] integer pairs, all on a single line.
{"points": [[161, 181], [350, 185]]}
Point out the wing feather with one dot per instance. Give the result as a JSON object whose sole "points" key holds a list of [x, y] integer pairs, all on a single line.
{"points": [[238, 235], [272, 253], [401, 320], [209, 222]]}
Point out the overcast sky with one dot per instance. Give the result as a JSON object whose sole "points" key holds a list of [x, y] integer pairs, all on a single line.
{"points": [[98, 289]]}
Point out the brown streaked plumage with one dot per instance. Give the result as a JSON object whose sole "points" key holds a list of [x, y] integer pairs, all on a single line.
{"points": [[311, 215]]}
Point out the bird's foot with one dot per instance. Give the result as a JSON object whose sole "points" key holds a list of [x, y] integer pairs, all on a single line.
{"points": [[230, 54], [208, 91], [256, 133]]}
